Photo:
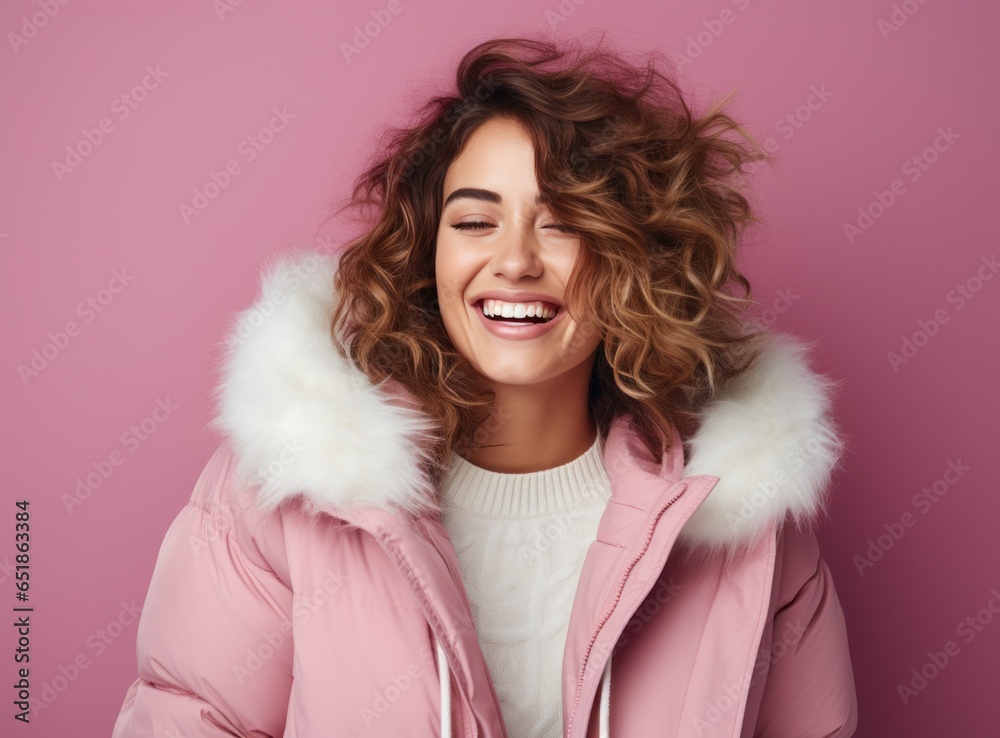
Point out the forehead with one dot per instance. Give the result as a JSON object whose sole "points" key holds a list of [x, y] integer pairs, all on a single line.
{"points": [[498, 155]]}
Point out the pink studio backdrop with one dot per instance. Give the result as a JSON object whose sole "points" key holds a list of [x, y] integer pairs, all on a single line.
{"points": [[879, 238]]}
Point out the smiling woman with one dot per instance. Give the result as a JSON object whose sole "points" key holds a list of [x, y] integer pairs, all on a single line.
{"points": [[500, 254], [521, 414], [566, 175]]}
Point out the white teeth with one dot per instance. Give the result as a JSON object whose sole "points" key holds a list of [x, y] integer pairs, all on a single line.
{"points": [[499, 308]]}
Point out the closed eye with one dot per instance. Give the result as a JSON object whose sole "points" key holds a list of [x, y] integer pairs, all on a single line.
{"points": [[471, 225], [478, 225]]}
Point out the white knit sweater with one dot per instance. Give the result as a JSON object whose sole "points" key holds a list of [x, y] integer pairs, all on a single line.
{"points": [[521, 540]]}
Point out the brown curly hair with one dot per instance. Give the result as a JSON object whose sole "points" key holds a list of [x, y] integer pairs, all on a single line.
{"points": [[654, 191]]}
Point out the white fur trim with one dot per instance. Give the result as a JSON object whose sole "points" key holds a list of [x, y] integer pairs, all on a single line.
{"points": [[771, 442], [302, 419]]}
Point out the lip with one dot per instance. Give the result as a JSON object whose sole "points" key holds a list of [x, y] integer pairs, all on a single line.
{"points": [[516, 331]]}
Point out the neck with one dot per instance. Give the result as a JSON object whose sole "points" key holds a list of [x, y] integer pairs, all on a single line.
{"points": [[536, 427]]}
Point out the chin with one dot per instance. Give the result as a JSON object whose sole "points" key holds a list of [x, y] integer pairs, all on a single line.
{"points": [[513, 376]]}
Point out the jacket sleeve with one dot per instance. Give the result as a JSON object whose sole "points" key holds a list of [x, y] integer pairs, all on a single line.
{"points": [[214, 639], [809, 690]]}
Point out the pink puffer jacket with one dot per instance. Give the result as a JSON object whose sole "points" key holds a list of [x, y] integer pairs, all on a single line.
{"points": [[308, 588]]}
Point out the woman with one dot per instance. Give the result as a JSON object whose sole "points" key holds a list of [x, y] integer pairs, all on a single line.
{"points": [[515, 462]]}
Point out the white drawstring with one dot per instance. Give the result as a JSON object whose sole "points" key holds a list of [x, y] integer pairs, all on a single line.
{"points": [[445, 690], [605, 730], [605, 716]]}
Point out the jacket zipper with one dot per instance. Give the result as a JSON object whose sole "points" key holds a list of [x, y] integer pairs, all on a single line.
{"points": [[614, 602]]}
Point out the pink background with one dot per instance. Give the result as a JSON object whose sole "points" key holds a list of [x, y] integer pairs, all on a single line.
{"points": [[158, 337]]}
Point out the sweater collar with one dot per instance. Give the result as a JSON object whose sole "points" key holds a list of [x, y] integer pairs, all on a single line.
{"points": [[564, 488], [303, 420]]}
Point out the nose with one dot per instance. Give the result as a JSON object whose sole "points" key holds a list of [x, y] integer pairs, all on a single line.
{"points": [[517, 253]]}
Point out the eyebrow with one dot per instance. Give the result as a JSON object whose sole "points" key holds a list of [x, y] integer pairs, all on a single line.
{"points": [[476, 193]]}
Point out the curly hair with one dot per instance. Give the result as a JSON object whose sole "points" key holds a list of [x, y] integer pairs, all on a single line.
{"points": [[654, 191]]}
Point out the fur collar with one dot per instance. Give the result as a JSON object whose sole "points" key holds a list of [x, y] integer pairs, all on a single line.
{"points": [[300, 418]]}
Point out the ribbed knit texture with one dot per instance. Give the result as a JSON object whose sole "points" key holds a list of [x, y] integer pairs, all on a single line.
{"points": [[521, 540]]}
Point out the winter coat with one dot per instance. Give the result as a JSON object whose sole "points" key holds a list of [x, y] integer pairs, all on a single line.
{"points": [[296, 595]]}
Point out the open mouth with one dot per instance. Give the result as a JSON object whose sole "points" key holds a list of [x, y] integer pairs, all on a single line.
{"points": [[527, 319]]}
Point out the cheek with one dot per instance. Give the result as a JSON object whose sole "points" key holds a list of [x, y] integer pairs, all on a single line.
{"points": [[583, 340], [452, 273], [449, 284]]}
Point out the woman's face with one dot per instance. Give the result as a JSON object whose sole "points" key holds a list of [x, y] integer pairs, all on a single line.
{"points": [[498, 247]]}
